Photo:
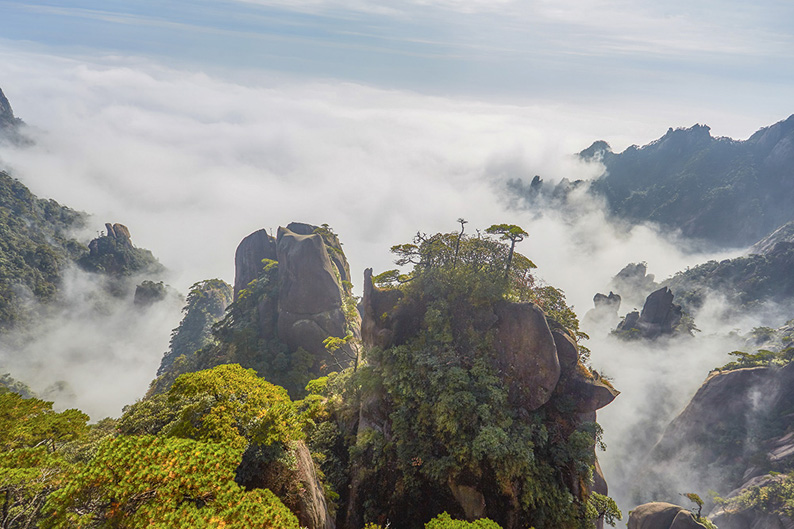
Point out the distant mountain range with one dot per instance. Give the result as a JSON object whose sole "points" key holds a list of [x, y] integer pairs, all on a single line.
{"points": [[727, 192]]}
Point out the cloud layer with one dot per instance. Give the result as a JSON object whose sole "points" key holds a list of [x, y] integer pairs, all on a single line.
{"points": [[193, 162]]}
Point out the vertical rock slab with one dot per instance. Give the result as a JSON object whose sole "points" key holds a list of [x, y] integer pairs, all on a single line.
{"points": [[527, 356], [248, 258], [310, 296]]}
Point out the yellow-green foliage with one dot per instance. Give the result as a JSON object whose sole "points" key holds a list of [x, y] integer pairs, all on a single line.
{"points": [[233, 405], [146, 481], [775, 497], [32, 464], [445, 521], [226, 404], [31, 422]]}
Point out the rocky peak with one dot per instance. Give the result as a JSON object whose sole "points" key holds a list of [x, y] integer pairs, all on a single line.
{"points": [[7, 118], [659, 316], [9, 124], [598, 150], [312, 296], [766, 246], [248, 258]]}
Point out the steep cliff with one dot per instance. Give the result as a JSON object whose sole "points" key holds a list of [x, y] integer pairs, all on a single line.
{"points": [[735, 438]]}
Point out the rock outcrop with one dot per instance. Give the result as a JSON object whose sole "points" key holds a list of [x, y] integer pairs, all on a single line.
{"points": [[659, 317], [313, 294], [310, 298], [527, 357], [605, 309], [660, 515], [765, 246], [733, 430], [535, 358], [113, 254], [10, 125], [248, 258], [298, 486]]}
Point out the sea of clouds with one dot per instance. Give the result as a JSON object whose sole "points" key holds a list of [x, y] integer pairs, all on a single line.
{"points": [[193, 162]]}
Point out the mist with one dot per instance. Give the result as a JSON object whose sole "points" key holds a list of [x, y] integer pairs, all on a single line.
{"points": [[92, 350], [193, 162]]}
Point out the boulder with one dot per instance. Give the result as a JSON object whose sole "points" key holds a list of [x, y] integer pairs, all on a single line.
{"points": [[526, 354], [660, 515], [589, 394], [567, 353], [248, 258], [307, 282], [470, 499]]}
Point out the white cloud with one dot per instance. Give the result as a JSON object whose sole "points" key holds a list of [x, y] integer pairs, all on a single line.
{"points": [[192, 163]]}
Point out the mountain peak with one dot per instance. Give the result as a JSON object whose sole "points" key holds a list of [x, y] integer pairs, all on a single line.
{"points": [[596, 151], [7, 118]]}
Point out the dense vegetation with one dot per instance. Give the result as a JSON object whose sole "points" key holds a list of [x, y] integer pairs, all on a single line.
{"points": [[236, 338], [205, 304], [215, 445], [36, 245], [449, 418], [169, 462]]}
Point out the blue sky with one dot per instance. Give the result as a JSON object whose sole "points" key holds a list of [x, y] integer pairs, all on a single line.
{"points": [[722, 54]]}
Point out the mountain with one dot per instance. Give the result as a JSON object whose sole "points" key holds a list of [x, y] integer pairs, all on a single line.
{"points": [[463, 402], [37, 244], [10, 125], [724, 191], [746, 282]]}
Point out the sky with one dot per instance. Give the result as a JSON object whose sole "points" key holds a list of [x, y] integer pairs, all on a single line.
{"points": [[197, 123], [723, 62]]}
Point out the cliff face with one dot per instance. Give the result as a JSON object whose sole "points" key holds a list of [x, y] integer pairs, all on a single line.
{"points": [[248, 258], [311, 301], [734, 431]]}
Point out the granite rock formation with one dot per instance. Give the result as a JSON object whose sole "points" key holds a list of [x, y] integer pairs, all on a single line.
{"points": [[659, 317], [312, 301], [534, 357], [660, 515], [248, 258], [113, 253]]}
